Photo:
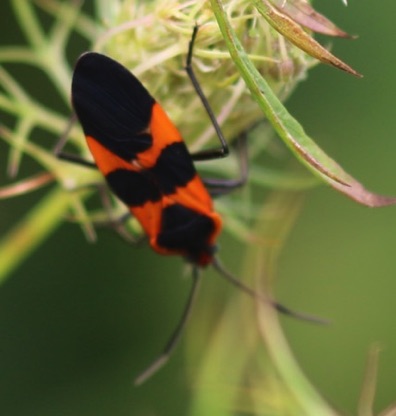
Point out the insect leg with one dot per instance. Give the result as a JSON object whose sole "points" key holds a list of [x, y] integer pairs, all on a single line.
{"points": [[58, 149], [118, 224], [223, 150], [217, 187]]}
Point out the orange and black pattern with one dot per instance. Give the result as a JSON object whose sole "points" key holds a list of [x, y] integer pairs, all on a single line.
{"points": [[144, 159]]}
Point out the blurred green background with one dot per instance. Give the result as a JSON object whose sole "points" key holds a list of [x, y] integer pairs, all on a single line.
{"points": [[79, 320]]}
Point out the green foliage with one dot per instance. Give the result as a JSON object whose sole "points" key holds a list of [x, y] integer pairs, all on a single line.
{"points": [[236, 48]]}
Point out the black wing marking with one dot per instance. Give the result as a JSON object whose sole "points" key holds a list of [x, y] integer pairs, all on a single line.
{"points": [[112, 105], [173, 169], [186, 230]]}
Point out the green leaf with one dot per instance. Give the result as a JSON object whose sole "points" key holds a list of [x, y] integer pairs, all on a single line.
{"points": [[366, 401], [292, 31], [288, 128], [304, 14]]}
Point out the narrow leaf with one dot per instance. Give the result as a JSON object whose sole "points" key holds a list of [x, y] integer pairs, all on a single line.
{"points": [[26, 185], [292, 31], [390, 411], [367, 396], [304, 14], [288, 127]]}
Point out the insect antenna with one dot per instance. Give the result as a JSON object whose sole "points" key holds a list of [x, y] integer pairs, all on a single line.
{"points": [[258, 296], [174, 339]]}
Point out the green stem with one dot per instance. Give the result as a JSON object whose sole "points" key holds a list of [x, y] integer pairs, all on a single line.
{"points": [[29, 23], [279, 214], [236, 372], [32, 230]]}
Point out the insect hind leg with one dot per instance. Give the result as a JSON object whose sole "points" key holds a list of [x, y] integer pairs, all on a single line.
{"points": [[223, 150], [216, 187], [58, 148], [221, 186]]}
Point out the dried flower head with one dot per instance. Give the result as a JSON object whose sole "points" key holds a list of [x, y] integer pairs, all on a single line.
{"points": [[151, 38]]}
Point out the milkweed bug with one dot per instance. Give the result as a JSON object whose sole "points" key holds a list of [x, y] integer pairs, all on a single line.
{"points": [[149, 168]]}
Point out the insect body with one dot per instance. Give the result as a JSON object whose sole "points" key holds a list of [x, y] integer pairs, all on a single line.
{"points": [[148, 167], [144, 159]]}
